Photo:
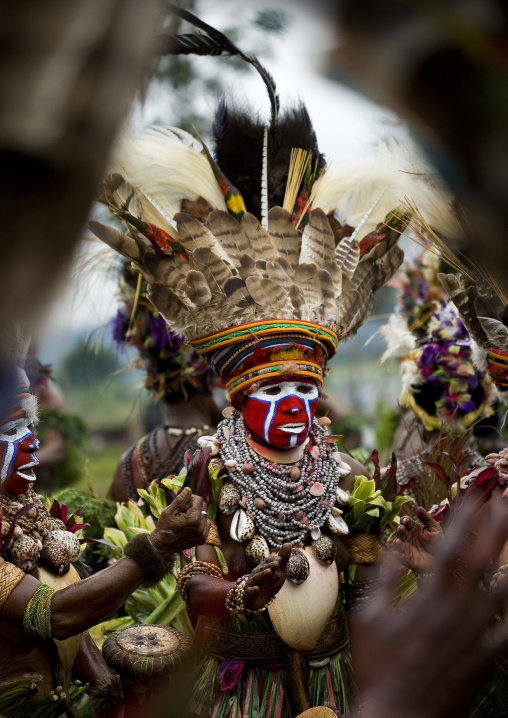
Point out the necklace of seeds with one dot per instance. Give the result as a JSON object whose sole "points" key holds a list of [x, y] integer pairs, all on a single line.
{"points": [[286, 501]]}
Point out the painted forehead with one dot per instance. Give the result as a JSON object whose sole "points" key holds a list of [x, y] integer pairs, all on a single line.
{"points": [[278, 389]]}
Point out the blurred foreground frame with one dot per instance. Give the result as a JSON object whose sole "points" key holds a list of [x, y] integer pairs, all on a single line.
{"points": [[68, 72], [443, 65]]}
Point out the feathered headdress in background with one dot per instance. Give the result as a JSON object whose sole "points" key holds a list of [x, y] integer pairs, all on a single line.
{"points": [[439, 382], [173, 370], [263, 260], [481, 301]]}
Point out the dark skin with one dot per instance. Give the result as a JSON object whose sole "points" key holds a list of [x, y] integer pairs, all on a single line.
{"points": [[83, 604], [427, 660], [417, 541]]}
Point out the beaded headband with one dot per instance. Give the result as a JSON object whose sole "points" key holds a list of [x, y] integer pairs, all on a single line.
{"points": [[497, 367], [266, 349]]}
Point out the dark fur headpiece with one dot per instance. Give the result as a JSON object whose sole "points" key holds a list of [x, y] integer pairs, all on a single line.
{"points": [[238, 137]]}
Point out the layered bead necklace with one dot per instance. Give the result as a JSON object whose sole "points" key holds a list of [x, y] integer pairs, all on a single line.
{"points": [[285, 504]]}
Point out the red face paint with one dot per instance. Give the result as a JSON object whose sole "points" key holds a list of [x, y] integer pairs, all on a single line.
{"points": [[281, 414], [18, 459]]}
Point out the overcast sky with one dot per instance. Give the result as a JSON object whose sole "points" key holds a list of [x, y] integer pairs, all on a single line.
{"points": [[345, 124]]}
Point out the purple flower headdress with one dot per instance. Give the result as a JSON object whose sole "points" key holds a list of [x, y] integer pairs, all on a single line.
{"points": [[173, 370], [440, 382]]}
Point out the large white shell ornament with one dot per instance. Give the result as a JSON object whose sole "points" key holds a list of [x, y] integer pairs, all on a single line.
{"points": [[242, 527], [299, 613]]}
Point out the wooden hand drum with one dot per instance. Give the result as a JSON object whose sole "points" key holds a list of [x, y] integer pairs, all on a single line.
{"points": [[141, 651]]}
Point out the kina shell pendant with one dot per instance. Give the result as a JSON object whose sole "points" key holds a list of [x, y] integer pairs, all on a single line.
{"points": [[299, 613]]}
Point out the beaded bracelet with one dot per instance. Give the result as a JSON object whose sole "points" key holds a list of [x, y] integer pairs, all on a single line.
{"points": [[235, 600], [195, 568], [37, 615], [360, 594]]}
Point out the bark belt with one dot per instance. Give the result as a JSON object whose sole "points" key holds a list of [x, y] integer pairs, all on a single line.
{"points": [[261, 647]]}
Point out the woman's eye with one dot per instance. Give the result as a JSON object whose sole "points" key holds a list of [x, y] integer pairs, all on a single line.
{"points": [[272, 390], [305, 389]]}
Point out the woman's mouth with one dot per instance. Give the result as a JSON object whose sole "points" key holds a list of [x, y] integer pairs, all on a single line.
{"points": [[293, 428], [26, 471]]}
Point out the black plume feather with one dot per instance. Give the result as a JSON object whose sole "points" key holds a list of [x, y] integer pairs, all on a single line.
{"points": [[238, 137], [214, 43]]}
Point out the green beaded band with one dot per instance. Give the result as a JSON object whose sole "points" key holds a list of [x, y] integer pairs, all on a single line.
{"points": [[37, 615], [242, 332]]}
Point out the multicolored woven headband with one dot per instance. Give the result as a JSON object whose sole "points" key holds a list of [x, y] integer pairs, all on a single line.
{"points": [[272, 370], [228, 349], [264, 328], [497, 366]]}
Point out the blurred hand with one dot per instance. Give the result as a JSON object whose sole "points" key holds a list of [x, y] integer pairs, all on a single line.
{"points": [[181, 525], [427, 658], [267, 579], [418, 541]]}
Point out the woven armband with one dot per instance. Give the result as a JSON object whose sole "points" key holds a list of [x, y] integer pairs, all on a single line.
{"points": [[37, 615], [10, 576], [362, 548], [140, 550]]}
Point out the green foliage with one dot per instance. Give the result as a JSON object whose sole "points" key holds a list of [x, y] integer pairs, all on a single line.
{"points": [[85, 367], [74, 430], [98, 513], [160, 605], [369, 512], [387, 419]]}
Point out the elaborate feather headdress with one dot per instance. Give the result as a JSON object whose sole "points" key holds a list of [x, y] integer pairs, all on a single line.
{"points": [[238, 252]]}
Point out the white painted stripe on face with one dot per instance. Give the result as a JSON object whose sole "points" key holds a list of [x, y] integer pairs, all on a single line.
{"points": [[7, 461], [268, 420]]}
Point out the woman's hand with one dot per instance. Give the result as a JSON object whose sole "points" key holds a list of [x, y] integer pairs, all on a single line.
{"points": [[418, 541], [267, 579], [183, 524]]}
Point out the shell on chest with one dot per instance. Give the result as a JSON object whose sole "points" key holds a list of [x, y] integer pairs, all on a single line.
{"points": [[299, 613]]}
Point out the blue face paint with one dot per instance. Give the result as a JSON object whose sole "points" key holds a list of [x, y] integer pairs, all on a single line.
{"points": [[281, 414]]}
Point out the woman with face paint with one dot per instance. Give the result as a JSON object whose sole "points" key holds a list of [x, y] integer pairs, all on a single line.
{"points": [[42, 597], [260, 268]]}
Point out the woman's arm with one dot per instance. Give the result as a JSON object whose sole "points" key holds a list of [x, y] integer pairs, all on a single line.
{"points": [[83, 604]]}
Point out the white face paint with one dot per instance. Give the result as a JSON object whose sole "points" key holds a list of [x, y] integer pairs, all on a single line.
{"points": [[268, 412], [18, 459]]}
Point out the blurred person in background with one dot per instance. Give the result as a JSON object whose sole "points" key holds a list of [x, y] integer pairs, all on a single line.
{"points": [[62, 434], [443, 396], [181, 381]]}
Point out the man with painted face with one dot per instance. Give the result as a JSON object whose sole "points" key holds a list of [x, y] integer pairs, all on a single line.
{"points": [[42, 597]]}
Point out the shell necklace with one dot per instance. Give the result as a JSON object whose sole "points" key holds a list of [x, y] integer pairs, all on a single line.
{"points": [[285, 501]]}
